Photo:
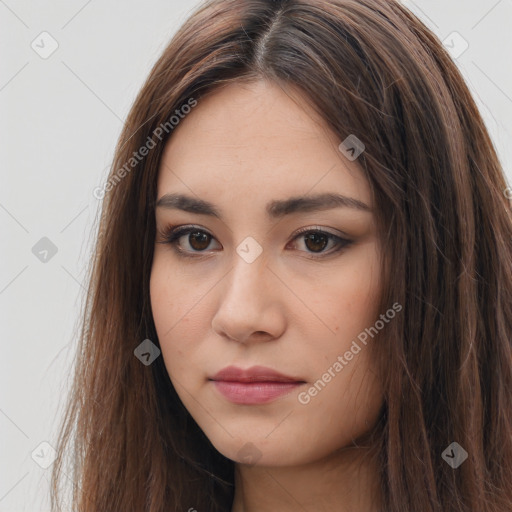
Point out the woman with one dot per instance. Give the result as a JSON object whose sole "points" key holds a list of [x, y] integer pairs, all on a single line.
{"points": [[302, 286]]}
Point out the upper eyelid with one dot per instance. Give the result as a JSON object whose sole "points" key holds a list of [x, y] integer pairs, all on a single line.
{"points": [[185, 228]]}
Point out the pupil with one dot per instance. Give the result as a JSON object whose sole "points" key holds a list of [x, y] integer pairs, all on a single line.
{"points": [[199, 240], [319, 241]]}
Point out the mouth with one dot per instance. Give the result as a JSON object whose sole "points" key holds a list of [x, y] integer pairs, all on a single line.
{"points": [[255, 385]]}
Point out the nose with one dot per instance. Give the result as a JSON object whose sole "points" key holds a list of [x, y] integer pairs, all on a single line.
{"points": [[250, 307]]}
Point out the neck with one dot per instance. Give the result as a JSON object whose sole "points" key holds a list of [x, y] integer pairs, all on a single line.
{"points": [[344, 481]]}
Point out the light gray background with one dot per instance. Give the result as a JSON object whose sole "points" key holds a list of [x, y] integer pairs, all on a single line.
{"points": [[61, 117]]}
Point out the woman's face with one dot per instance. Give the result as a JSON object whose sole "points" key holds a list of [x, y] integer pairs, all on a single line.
{"points": [[247, 169]]}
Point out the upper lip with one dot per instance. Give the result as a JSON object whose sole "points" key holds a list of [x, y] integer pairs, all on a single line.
{"points": [[253, 374]]}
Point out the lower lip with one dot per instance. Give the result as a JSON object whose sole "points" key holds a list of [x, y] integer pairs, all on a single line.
{"points": [[250, 393]]}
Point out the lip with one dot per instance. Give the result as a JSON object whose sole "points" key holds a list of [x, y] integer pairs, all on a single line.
{"points": [[252, 374], [255, 385]]}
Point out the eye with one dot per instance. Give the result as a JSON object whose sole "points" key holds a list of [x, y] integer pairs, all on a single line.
{"points": [[197, 240], [315, 240]]}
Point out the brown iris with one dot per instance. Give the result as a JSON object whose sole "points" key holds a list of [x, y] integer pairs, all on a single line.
{"points": [[316, 242], [199, 240]]}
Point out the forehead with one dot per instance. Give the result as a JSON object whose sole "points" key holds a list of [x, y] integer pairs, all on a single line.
{"points": [[256, 140]]}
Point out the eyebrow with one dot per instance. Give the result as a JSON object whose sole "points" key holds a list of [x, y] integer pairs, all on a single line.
{"points": [[275, 208]]}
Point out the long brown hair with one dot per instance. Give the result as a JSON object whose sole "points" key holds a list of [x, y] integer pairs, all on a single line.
{"points": [[372, 69]]}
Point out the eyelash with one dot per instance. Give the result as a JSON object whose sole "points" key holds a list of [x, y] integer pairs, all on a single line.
{"points": [[170, 235]]}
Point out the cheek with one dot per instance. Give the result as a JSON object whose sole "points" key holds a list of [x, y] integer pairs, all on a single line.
{"points": [[174, 297], [179, 307], [347, 407], [168, 304], [344, 297]]}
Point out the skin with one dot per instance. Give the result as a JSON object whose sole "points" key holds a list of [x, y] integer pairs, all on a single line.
{"points": [[241, 147]]}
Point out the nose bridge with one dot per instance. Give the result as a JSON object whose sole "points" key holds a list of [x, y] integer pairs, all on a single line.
{"points": [[247, 304], [247, 281]]}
